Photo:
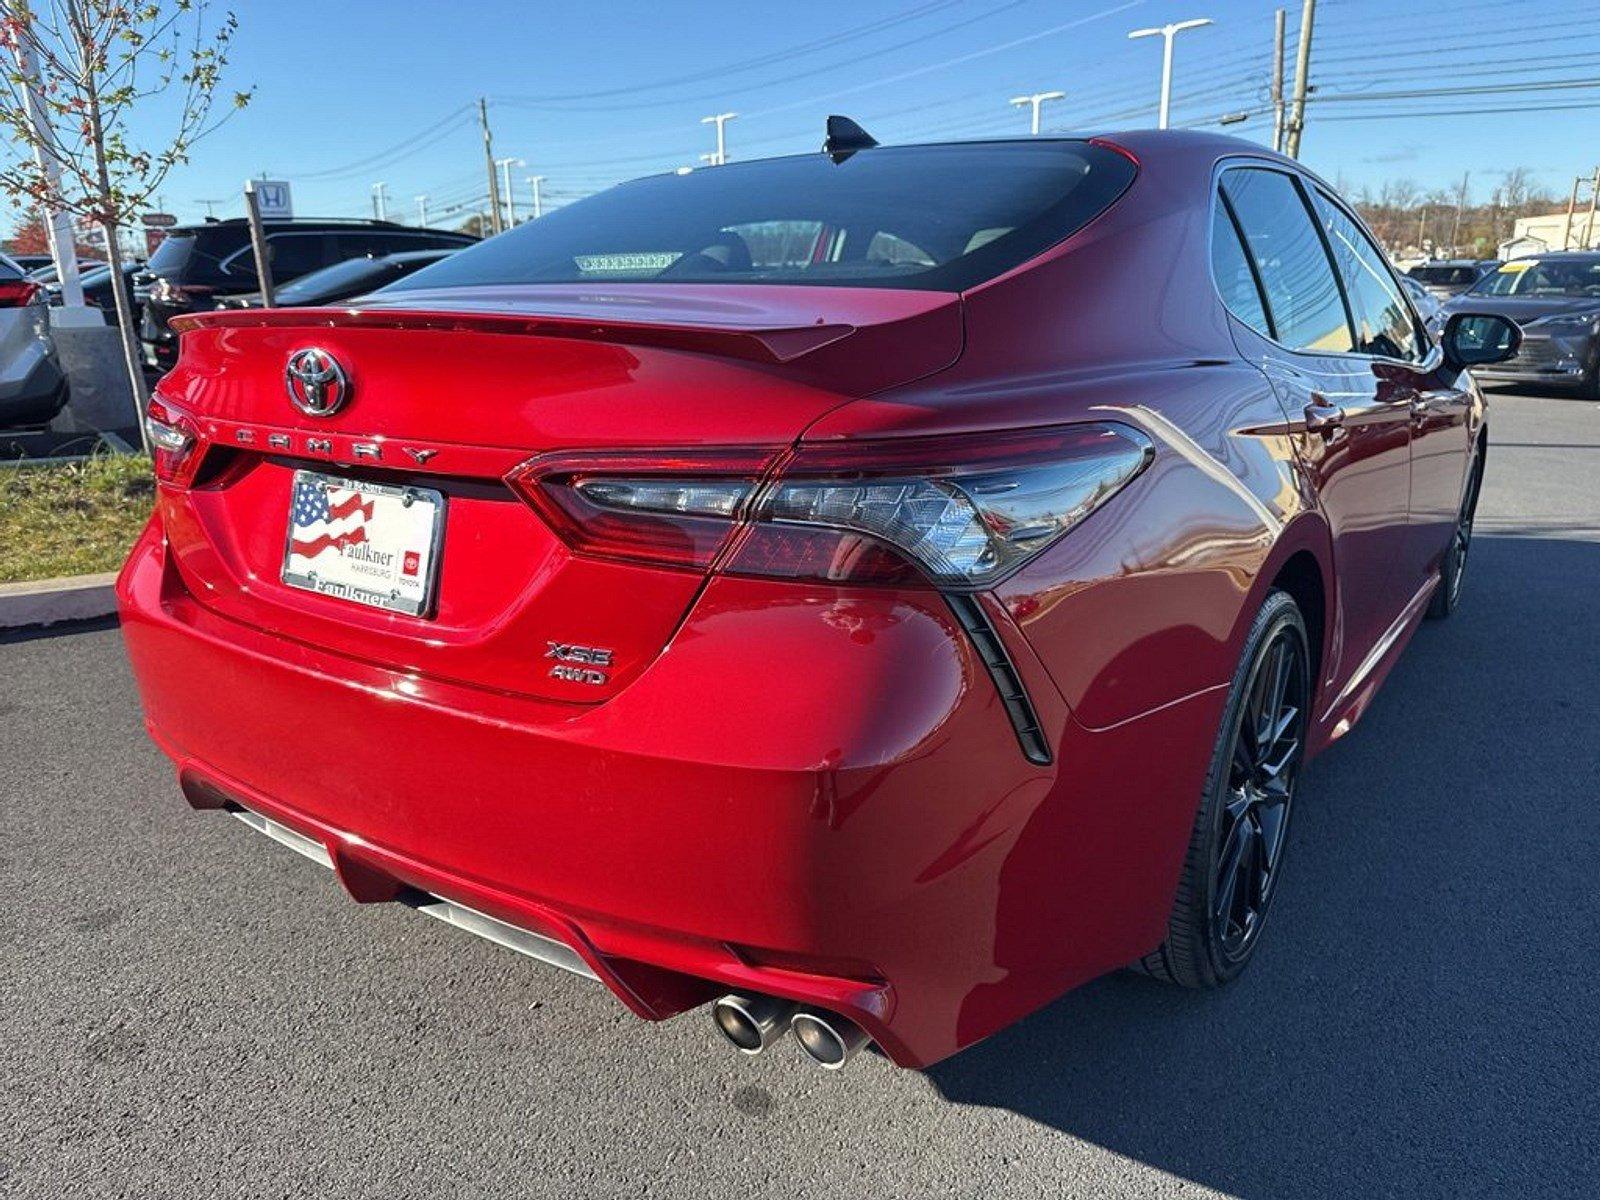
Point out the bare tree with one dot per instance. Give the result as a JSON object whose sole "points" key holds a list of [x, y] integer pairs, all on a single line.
{"points": [[1403, 216], [90, 66]]}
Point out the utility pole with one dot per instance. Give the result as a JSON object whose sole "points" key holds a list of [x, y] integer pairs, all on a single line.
{"points": [[1461, 204], [1594, 203], [488, 161], [1422, 226], [422, 211], [1036, 102], [58, 223], [1279, 19], [505, 165], [1572, 207], [1302, 81], [211, 208], [1168, 32], [720, 120], [538, 205], [380, 201]]}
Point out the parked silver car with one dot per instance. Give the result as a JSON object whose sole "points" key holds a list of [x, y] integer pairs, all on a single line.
{"points": [[32, 385]]}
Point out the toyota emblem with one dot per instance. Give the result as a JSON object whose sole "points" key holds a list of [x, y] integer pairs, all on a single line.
{"points": [[317, 383]]}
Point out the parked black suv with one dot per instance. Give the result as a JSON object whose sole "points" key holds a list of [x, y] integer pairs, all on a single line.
{"points": [[197, 265]]}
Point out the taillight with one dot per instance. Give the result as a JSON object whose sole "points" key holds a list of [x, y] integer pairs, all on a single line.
{"points": [[14, 293], [175, 443], [670, 509], [960, 512], [164, 291]]}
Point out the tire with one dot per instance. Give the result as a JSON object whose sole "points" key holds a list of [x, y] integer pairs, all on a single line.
{"points": [[1453, 568], [1209, 942], [1589, 389]]}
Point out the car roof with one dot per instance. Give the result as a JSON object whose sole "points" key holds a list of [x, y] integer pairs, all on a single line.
{"points": [[241, 224], [1135, 142], [1563, 256]]}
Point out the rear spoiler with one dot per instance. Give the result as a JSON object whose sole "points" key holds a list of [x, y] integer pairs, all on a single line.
{"points": [[773, 345]]}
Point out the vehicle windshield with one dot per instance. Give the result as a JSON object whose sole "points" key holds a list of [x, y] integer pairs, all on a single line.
{"points": [[1531, 277], [927, 217], [338, 278]]}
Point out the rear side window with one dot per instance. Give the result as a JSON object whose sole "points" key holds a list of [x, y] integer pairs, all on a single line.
{"points": [[293, 254], [929, 217], [1383, 318], [1302, 294], [1236, 282]]}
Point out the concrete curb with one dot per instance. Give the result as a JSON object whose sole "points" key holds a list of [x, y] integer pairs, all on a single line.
{"points": [[46, 601]]}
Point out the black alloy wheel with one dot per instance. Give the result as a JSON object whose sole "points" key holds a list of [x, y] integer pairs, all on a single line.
{"points": [[1268, 745], [1236, 850], [1453, 569]]}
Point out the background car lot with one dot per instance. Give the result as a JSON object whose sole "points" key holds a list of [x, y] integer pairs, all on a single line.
{"points": [[1420, 1026]]}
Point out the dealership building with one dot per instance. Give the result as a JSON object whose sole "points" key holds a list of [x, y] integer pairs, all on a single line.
{"points": [[1551, 231]]}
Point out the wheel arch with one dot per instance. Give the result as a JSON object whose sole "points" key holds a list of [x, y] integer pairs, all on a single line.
{"points": [[1300, 563]]}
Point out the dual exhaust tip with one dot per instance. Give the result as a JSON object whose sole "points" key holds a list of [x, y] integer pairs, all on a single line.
{"points": [[752, 1023]]}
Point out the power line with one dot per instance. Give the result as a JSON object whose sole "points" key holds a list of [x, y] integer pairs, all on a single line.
{"points": [[1400, 114], [1437, 53], [958, 60], [724, 92], [748, 64], [1472, 90], [383, 157]]}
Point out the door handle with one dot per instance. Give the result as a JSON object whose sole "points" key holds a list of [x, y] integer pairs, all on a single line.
{"points": [[1323, 418]]}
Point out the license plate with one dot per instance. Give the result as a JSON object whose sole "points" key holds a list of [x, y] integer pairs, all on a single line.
{"points": [[370, 543]]}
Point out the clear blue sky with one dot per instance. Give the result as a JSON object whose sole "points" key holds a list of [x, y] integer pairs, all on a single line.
{"points": [[351, 93]]}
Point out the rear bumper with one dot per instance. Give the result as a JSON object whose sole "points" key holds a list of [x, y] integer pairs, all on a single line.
{"points": [[32, 385], [865, 837]]}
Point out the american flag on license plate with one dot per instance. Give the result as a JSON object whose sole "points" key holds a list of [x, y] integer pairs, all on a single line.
{"points": [[327, 518]]}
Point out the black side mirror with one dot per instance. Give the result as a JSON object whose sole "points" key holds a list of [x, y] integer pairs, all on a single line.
{"points": [[1478, 339]]}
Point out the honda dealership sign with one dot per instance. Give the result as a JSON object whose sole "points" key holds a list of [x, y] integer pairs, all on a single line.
{"points": [[273, 199]]}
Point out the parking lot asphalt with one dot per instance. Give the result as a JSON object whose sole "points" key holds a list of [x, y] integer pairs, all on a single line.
{"points": [[189, 1010]]}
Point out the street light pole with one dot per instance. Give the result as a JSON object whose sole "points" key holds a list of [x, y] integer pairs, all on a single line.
{"points": [[720, 120], [1168, 32], [1278, 20], [538, 205], [1036, 102], [505, 165]]}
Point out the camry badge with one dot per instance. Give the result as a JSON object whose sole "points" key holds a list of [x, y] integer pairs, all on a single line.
{"points": [[316, 382]]}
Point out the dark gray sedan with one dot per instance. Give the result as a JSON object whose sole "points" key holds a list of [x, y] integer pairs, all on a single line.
{"points": [[1555, 298], [1447, 277]]}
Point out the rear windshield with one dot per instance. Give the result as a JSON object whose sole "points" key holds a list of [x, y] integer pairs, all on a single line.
{"points": [[172, 253], [350, 273], [1444, 276], [940, 218]]}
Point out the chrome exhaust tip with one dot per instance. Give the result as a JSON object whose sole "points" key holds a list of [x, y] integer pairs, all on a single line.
{"points": [[751, 1023], [829, 1040]]}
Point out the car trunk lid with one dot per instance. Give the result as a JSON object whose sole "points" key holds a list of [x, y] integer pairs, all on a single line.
{"points": [[450, 393]]}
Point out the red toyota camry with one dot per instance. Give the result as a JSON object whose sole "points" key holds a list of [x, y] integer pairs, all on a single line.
{"points": [[871, 591]]}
